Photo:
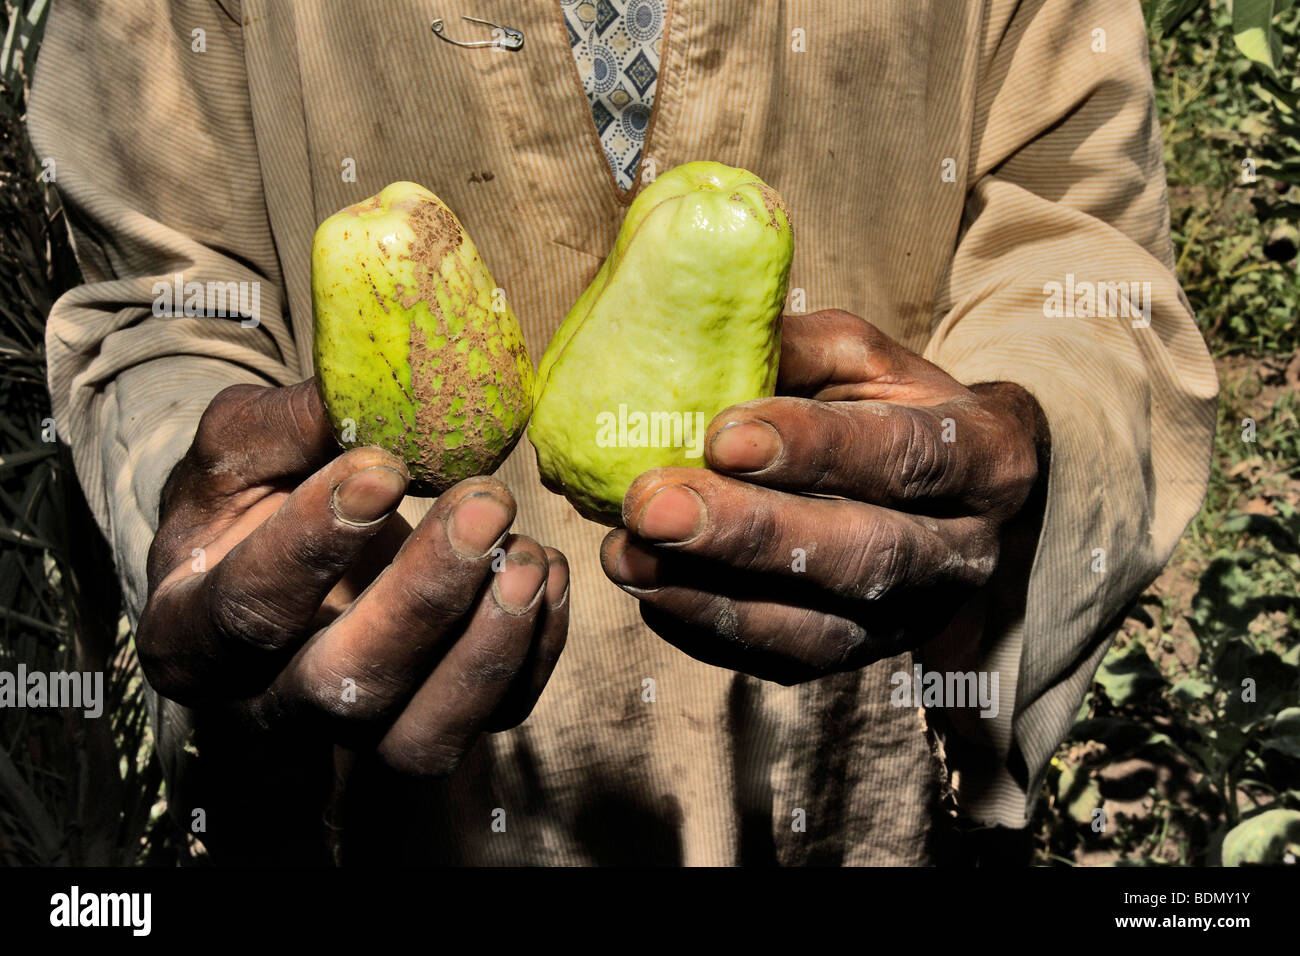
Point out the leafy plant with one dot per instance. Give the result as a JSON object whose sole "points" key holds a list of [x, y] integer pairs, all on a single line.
{"points": [[1230, 135], [1189, 736], [1230, 730]]}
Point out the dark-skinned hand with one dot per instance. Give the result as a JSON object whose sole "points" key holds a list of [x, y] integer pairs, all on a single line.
{"points": [[843, 521], [284, 589]]}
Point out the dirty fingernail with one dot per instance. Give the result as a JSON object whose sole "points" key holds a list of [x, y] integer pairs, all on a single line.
{"points": [[557, 584], [519, 582], [745, 446], [368, 495], [476, 524], [673, 513]]}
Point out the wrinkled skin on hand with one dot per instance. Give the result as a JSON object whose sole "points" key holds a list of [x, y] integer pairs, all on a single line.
{"points": [[847, 465], [285, 593]]}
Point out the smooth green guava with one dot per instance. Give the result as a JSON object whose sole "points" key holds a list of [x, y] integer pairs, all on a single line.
{"points": [[416, 349], [682, 320]]}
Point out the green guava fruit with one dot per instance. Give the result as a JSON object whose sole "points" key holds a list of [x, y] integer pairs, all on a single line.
{"points": [[682, 320], [416, 349]]}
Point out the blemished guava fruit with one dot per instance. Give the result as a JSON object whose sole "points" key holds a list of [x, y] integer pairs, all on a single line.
{"points": [[416, 349], [682, 320]]}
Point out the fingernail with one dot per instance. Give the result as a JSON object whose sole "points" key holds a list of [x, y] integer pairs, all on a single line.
{"points": [[745, 446], [557, 584], [368, 495], [673, 513], [477, 524], [638, 568], [519, 582]]}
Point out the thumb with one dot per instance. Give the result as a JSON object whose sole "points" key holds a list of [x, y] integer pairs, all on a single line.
{"points": [[266, 433], [253, 435], [836, 356]]}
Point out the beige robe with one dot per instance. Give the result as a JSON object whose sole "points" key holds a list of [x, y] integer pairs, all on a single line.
{"points": [[944, 161]]}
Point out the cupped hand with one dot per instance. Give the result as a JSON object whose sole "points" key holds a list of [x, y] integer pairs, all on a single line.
{"points": [[283, 588], [843, 521]]}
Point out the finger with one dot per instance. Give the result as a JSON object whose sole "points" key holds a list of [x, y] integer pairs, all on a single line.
{"points": [[773, 662], [772, 629], [251, 435], [370, 563], [726, 619], [834, 355], [456, 702], [931, 459], [857, 551], [363, 667], [218, 630], [551, 633]]}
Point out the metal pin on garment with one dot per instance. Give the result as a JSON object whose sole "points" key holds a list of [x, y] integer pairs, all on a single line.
{"points": [[503, 38]]}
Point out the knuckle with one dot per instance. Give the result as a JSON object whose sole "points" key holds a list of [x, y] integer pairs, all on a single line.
{"points": [[846, 639], [155, 663], [374, 693], [435, 755], [720, 613], [815, 647], [877, 564], [302, 411], [439, 598], [226, 408], [489, 665], [252, 622], [321, 554], [917, 456], [831, 642], [165, 552], [833, 432], [756, 536], [966, 554], [1022, 474], [162, 662], [494, 655], [978, 569]]}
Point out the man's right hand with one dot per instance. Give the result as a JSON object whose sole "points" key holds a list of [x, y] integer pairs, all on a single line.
{"points": [[282, 586]]}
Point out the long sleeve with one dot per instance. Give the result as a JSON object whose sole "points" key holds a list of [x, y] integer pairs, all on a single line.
{"points": [[1063, 282], [140, 111]]}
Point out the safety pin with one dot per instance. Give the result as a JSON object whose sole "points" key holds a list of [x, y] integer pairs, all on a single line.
{"points": [[503, 38]]}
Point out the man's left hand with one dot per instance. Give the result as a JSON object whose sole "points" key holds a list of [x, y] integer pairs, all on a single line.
{"points": [[841, 522]]}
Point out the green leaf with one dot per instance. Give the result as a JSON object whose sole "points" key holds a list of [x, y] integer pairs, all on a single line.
{"points": [[1252, 31], [1287, 721], [1275, 683], [1129, 676], [1283, 535], [1122, 737], [1077, 793], [1085, 705], [1290, 746], [1163, 16], [1192, 689], [1284, 734], [1265, 838]]}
